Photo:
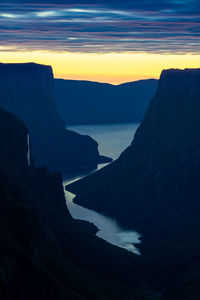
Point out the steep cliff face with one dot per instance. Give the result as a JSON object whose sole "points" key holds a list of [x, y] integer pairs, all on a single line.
{"points": [[27, 91], [21, 228], [85, 102], [178, 93], [14, 141], [155, 182]]}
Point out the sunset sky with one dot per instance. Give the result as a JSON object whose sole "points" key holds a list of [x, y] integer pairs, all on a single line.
{"points": [[109, 41]]}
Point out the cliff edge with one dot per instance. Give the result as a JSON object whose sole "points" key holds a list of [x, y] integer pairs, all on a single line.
{"points": [[27, 90]]}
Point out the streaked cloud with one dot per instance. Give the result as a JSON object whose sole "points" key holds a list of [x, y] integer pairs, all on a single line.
{"points": [[152, 26]]}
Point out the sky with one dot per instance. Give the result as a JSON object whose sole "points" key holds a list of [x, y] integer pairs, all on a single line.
{"points": [[107, 41]]}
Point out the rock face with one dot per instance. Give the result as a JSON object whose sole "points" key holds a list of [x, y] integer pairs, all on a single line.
{"points": [[13, 142], [44, 253], [27, 90], [154, 185], [85, 102]]}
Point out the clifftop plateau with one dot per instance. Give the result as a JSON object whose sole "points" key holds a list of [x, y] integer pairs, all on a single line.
{"points": [[27, 90]]}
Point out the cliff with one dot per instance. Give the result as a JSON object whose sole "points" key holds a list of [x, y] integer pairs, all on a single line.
{"points": [[14, 141], [27, 90], [85, 102]]}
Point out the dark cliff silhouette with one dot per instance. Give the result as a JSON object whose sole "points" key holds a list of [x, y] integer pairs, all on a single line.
{"points": [[154, 186], [85, 102], [27, 91]]}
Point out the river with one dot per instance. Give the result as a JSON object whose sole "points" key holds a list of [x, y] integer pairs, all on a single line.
{"points": [[112, 140]]}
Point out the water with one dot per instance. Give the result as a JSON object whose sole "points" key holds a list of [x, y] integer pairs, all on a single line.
{"points": [[112, 140]]}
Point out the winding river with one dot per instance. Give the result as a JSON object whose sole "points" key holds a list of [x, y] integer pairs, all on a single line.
{"points": [[112, 140]]}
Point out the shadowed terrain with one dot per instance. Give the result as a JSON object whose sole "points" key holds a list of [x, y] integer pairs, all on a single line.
{"points": [[85, 102]]}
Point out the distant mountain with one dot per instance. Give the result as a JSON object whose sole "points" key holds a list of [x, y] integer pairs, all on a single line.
{"points": [[85, 102], [27, 91]]}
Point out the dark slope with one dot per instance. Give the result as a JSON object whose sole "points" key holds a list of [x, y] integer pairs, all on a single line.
{"points": [[44, 253], [27, 91], [154, 186], [85, 102]]}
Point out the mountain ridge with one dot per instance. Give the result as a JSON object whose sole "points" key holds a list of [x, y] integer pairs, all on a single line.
{"points": [[87, 102]]}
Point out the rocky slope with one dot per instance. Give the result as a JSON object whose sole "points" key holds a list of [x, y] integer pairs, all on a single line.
{"points": [[27, 91], [85, 102]]}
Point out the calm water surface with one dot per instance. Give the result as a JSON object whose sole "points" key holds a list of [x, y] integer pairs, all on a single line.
{"points": [[112, 140]]}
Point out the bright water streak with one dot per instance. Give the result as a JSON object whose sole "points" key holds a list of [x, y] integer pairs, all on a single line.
{"points": [[112, 139]]}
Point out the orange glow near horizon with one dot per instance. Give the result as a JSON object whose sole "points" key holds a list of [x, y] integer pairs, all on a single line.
{"points": [[113, 68]]}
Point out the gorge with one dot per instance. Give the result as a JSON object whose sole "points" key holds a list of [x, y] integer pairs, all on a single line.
{"points": [[137, 180], [152, 188]]}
